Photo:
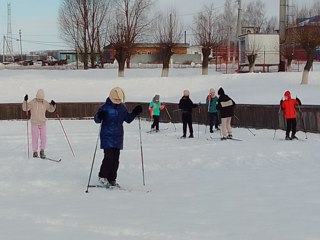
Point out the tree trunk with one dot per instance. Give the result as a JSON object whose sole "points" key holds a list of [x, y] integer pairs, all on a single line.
{"points": [[205, 61], [121, 59], [289, 62], [251, 59], [307, 68], [121, 69], [166, 56], [305, 77]]}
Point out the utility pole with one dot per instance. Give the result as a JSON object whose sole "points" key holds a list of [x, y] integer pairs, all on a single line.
{"points": [[21, 58], [238, 33], [9, 32], [239, 27], [282, 33]]}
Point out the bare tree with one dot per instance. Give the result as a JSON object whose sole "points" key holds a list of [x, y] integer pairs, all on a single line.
{"points": [[97, 25], [254, 15], [167, 33], [307, 36], [128, 26], [79, 22], [206, 34], [229, 19]]}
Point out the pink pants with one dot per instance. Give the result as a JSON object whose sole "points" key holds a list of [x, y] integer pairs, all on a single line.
{"points": [[38, 131]]}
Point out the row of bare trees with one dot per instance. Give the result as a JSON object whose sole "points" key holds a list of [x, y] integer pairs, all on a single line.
{"points": [[89, 25]]}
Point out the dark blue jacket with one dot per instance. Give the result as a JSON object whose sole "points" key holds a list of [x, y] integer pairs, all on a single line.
{"points": [[112, 117]]}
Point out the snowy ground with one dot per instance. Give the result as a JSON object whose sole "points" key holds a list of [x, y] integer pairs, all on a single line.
{"points": [[258, 188], [143, 84]]}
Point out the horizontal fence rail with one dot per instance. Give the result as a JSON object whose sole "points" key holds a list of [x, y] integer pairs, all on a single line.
{"points": [[247, 115]]}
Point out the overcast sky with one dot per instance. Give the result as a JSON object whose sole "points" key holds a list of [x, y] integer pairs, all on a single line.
{"points": [[37, 19]]}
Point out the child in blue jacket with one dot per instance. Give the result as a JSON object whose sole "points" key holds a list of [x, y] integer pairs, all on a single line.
{"points": [[111, 115]]}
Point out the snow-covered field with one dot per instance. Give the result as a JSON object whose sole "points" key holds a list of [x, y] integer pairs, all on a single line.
{"points": [[143, 84], [256, 189]]}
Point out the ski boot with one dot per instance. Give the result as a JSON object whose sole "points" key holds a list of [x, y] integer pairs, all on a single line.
{"points": [[42, 155], [35, 155]]}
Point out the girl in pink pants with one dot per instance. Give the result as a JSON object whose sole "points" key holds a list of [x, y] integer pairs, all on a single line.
{"points": [[38, 107]]}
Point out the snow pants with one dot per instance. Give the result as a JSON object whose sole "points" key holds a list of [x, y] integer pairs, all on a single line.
{"points": [[110, 164], [187, 121], [155, 123], [38, 131], [213, 120], [291, 127], [226, 126]]}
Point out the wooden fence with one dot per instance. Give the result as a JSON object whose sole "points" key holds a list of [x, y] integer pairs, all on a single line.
{"points": [[247, 116]]}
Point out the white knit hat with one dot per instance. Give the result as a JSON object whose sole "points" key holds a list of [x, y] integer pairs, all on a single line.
{"points": [[117, 95], [40, 94]]}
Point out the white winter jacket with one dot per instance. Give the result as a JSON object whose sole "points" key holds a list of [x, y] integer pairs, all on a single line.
{"points": [[38, 110]]}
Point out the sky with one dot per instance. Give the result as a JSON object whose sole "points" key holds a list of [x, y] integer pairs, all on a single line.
{"points": [[38, 19]]}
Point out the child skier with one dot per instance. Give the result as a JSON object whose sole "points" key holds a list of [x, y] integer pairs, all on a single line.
{"points": [[186, 106], [211, 102], [154, 108], [38, 107], [111, 115], [226, 107], [288, 105]]}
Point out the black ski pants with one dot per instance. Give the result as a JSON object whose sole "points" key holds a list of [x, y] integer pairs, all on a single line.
{"points": [[110, 164], [155, 123], [187, 121], [213, 120], [291, 126]]}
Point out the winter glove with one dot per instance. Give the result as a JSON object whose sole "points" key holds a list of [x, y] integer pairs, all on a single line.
{"points": [[26, 97], [137, 110], [101, 115], [298, 100], [53, 103]]}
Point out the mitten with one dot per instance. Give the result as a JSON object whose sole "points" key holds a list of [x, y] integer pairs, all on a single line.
{"points": [[137, 110]]}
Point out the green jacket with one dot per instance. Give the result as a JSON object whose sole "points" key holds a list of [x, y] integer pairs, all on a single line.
{"points": [[211, 104], [156, 108]]}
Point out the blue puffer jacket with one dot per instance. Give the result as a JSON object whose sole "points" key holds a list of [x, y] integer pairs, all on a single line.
{"points": [[112, 117]]}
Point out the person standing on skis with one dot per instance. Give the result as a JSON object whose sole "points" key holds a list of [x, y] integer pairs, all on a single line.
{"points": [[38, 107], [111, 115], [155, 107], [186, 106], [211, 102], [226, 108], [288, 105]]}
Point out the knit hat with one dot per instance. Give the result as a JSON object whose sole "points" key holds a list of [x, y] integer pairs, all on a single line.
{"points": [[40, 94], [220, 91], [186, 93], [287, 94], [117, 95], [156, 98], [211, 91]]}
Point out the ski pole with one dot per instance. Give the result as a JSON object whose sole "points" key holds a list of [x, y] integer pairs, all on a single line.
{"points": [[94, 157], [27, 116], [65, 134], [141, 152], [304, 126], [199, 111], [246, 128], [175, 129]]}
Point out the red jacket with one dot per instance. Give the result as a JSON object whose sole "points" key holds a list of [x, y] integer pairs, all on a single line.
{"points": [[289, 106]]}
